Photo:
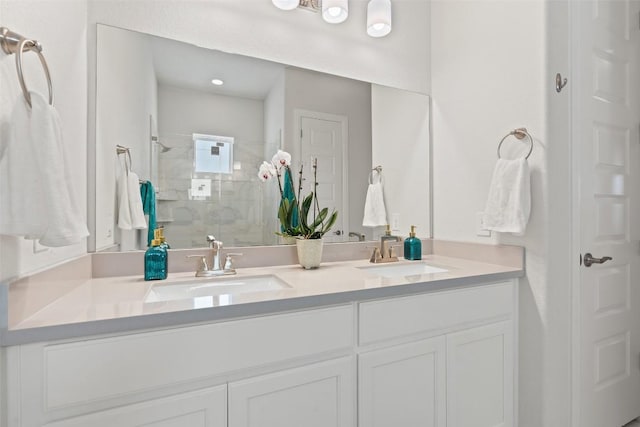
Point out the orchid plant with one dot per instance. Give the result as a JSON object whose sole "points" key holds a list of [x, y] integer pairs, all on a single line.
{"points": [[298, 217]]}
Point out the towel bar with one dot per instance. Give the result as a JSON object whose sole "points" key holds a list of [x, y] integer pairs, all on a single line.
{"points": [[14, 43]]}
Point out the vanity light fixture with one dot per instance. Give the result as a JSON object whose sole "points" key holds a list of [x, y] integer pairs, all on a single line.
{"points": [[337, 11], [217, 82], [286, 4], [292, 4], [379, 18]]}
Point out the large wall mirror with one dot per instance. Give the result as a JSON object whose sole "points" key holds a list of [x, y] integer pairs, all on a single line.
{"points": [[200, 144]]}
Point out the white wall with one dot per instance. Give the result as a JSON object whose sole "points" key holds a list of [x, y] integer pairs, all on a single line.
{"points": [[401, 119], [61, 28], [126, 98], [301, 38], [492, 65], [319, 92]]}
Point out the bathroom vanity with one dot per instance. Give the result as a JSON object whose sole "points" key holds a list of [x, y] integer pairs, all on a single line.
{"points": [[343, 345]]}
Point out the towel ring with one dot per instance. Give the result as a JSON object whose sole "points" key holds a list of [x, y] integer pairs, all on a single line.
{"points": [[519, 133], [37, 48]]}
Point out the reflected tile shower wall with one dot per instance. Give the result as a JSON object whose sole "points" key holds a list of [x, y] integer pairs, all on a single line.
{"points": [[229, 206]]}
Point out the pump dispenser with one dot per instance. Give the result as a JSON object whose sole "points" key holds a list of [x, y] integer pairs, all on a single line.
{"points": [[156, 257], [413, 246]]}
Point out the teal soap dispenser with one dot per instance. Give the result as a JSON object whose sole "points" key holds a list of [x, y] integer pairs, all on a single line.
{"points": [[413, 246], [156, 258]]}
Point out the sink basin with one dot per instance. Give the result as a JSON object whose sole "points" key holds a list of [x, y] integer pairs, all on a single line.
{"points": [[405, 269], [197, 289]]}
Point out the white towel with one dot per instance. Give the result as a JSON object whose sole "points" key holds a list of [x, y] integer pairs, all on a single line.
{"points": [[130, 212], [375, 213], [37, 197], [509, 202]]}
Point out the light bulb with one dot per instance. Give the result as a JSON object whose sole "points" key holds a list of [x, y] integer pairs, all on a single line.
{"points": [[379, 18], [286, 4], [335, 11]]}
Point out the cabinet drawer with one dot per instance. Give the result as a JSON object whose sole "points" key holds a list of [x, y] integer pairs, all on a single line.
{"points": [[433, 312], [203, 408], [71, 374]]}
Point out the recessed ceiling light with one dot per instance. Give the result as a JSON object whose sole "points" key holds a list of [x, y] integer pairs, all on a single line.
{"points": [[217, 82]]}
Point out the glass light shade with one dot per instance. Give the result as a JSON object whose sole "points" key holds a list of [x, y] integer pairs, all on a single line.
{"points": [[335, 11], [286, 4], [379, 18]]}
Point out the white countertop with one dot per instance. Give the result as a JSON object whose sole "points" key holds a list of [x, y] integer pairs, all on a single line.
{"points": [[114, 304]]}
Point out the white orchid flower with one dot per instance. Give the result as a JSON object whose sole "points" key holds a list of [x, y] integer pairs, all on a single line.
{"points": [[266, 171], [281, 158]]}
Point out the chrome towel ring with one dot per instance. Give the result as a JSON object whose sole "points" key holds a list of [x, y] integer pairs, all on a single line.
{"points": [[520, 134], [14, 43]]}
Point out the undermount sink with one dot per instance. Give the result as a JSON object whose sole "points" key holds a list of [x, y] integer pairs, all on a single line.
{"points": [[391, 271], [214, 287]]}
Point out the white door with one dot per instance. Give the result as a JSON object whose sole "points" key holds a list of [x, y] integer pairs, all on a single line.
{"points": [[480, 377], [403, 386], [324, 137], [606, 107], [318, 395], [203, 408]]}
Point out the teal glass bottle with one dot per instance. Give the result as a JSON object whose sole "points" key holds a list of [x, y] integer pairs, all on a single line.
{"points": [[413, 246], [156, 259]]}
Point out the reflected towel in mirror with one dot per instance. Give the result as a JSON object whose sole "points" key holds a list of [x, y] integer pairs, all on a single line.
{"points": [[375, 213]]}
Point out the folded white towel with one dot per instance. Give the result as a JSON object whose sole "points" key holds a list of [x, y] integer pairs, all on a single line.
{"points": [[124, 212], [138, 221], [509, 202], [375, 213], [38, 200], [22, 209], [130, 212]]}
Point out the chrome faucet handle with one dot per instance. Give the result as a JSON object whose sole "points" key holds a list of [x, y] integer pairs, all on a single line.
{"points": [[392, 251], [375, 256], [203, 262], [228, 261]]}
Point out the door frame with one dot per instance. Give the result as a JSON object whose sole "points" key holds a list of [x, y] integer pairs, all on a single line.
{"points": [[298, 114]]}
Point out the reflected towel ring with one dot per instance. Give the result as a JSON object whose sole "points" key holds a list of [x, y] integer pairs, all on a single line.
{"points": [[378, 170], [37, 48], [519, 133]]}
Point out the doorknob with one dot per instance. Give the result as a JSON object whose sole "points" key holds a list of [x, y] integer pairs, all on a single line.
{"points": [[589, 259], [338, 232]]}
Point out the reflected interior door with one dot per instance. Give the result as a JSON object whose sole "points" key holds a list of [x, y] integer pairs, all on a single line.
{"points": [[324, 137], [607, 113]]}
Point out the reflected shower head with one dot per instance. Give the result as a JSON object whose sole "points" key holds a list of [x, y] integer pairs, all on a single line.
{"points": [[163, 147]]}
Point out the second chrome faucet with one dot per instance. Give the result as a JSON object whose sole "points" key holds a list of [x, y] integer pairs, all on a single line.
{"points": [[386, 251]]}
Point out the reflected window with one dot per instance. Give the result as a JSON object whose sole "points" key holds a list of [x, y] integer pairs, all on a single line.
{"points": [[213, 154]]}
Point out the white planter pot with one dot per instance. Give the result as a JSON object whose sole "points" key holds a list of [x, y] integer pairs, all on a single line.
{"points": [[309, 252]]}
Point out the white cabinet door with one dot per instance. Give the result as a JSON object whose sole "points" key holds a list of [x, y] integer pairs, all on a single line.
{"points": [[480, 377], [202, 408], [317, 395], [403, 386]]}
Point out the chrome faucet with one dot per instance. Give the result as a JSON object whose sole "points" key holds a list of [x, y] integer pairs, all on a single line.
{"points": [[215, 270], [386, 251], [215, 246]]}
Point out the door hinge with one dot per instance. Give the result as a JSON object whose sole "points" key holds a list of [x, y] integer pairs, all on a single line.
{"points": [[300, 133]]}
